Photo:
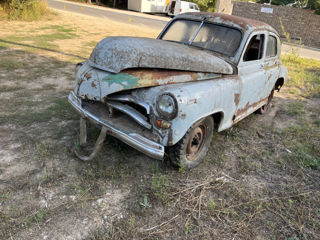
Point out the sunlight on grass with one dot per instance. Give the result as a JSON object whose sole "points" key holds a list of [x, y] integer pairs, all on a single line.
{"points": [[303, 75]]}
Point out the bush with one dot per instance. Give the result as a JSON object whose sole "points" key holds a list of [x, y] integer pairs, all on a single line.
{"points": [[27, 10], [206, 5]]}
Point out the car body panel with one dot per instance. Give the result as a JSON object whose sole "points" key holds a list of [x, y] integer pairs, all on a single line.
{"points": [[114, 54]]}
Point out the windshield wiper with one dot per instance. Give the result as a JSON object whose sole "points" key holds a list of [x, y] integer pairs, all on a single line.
{"points": [[196, 33]]}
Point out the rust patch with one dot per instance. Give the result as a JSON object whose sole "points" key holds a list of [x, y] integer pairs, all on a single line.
{"points": [[236, 98], [156, 74], [247, 107], [88, 76], [80, 81], [93, 85], [183, 116]]}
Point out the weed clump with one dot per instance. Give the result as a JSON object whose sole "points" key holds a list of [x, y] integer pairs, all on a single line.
{"points": [[26, 10]]}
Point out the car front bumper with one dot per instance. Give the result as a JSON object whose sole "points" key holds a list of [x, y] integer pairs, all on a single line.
{"points": [[132, 138]]}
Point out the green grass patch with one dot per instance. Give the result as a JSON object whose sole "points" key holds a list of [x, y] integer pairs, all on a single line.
{"points": [[304, 143], [59, 108], [42, 40], [303, 75], [10, 63], [295, 108], [2, 46], [91, 44], [6, 88], [58, 28]]}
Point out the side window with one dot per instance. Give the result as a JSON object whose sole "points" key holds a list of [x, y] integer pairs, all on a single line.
{"points": [[272, 48], [254, 49]]}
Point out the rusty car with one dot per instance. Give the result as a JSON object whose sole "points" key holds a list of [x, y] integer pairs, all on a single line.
{"points": [[164, 97]]}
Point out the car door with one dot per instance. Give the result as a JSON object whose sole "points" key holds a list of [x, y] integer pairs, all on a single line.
{"points": [[252, 75], [272, 61]]}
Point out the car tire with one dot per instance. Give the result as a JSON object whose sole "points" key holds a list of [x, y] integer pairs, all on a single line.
{"points": [[191, 149], [265, 107]]}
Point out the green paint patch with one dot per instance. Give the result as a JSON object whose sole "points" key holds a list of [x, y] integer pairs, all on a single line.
{"points": [[127, 81]]}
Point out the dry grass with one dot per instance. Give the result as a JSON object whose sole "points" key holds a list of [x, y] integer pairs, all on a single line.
{"points": [[260, 179]]}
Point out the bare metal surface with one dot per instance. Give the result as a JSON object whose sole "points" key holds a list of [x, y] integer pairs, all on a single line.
{"points": [[130, 111], [122, 128], [132, 99], [115, 54], [97, 146]]}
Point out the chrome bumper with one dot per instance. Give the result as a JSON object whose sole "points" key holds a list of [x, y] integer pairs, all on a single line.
{"points": [[142, 144]]}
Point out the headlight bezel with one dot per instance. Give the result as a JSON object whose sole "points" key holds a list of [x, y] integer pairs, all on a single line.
{"points": [[165, 115]]}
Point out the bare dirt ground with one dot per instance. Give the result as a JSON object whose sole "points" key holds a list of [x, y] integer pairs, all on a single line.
{"points": [[260, 179]]}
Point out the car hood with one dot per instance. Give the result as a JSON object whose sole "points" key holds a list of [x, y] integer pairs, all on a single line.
{"points": [[114, 54]]}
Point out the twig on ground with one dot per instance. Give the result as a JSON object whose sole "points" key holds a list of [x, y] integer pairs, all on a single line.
{"points": [[160, 225]]}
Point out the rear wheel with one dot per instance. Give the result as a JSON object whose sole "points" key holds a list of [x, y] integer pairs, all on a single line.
{"points": [[265, 107], [191, 149]]}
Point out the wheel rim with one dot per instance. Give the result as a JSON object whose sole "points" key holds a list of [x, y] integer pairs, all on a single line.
{"points": [[196, 142]]}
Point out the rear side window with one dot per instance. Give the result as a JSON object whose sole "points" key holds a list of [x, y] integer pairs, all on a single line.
{"points": [[254, 49], [272, 48]]}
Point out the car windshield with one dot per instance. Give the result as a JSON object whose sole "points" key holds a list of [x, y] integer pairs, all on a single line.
{"points": [[218, 38]]}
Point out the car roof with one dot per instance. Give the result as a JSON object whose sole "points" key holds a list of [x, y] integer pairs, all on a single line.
{"points": [[244, 24]]}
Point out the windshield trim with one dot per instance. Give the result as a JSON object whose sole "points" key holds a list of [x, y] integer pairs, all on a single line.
{"points": [[196, 33]]}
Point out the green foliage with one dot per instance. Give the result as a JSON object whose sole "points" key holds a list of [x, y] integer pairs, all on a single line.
{"points": [[145, 203], [206, 5], [314, 5], [26, 10], [309, 4]]}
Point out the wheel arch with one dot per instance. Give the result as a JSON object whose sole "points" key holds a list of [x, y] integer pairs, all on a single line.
{"points": [[279, 83], [217, 119]]}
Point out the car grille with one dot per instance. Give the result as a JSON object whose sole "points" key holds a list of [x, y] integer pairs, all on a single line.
{"points": [[129, 105]]}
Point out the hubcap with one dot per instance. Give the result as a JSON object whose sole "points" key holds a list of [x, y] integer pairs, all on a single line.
{"points": [[196, 142]]}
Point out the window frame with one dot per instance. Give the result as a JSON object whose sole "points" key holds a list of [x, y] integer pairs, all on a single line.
{"points": [[243, 50], [277, 45], [247, 44], [164, 31]]}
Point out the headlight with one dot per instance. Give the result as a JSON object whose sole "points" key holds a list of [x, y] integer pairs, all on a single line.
{"points": [[167, 106]]}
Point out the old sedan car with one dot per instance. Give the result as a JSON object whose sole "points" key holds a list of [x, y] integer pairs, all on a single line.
{"points": [[205, 71]]}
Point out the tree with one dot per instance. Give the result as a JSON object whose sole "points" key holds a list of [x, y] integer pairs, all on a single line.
{"points": [[314, 5], [206, 5], [307, 4]]}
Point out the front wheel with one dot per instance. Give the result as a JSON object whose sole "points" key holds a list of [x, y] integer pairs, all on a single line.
{"points": [[191, 149]]}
